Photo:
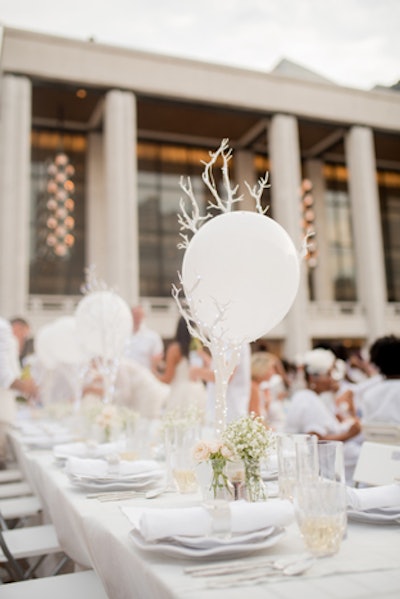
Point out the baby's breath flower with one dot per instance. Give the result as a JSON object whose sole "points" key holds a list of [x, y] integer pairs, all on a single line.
{"points": [[248, 437]]}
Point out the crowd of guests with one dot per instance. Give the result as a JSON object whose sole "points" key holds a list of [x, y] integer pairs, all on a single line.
{"points": [[327, 393]]}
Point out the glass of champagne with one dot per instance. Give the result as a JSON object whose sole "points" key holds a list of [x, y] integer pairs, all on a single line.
{"points": [[320, 508], [180, 441]]}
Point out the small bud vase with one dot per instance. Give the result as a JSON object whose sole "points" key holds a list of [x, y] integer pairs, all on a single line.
{"points": [[220, 486], [255, 486]]}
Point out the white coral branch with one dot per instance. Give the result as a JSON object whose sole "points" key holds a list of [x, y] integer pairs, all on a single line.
{"points": [[208, 179], [207, 334], [304, 250], [256, 192], [190, 222]]}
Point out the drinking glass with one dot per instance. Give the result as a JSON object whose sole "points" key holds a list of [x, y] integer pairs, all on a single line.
{"points": [[320, 508], [179, 443], [295, 453], [331, 461]]}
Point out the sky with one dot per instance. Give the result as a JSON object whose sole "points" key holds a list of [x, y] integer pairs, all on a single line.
{"points": [[355, 43]]}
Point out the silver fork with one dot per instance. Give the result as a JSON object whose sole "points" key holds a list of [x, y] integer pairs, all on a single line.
{"points": [[257, 575], [114, 495], [232, 568]]}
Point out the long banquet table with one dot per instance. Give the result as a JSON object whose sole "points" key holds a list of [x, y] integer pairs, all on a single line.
{"points": [[96, 535]]}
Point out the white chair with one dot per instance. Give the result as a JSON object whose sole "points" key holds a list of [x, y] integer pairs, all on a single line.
{"points": [[382, 432], [79, 585], [10, 475], [15, 489], [378, 464], [19, 509], [21, 544]]}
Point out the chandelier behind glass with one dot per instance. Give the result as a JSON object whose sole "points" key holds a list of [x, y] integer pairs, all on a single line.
{"points": [[60, 206]]}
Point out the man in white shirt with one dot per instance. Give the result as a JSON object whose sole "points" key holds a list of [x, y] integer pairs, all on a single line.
{"points": [[10, 381], [144, 346], [10, 371]]}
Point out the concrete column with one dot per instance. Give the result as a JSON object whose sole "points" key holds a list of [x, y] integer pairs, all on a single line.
{"points": [[15, 166], [121, 241], [364, 197], [96, 222], [284, 152], [245, 171], [323, 282]]}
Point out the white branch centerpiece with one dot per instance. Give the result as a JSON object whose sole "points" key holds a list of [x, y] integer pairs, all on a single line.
{"points": [[104, 323], [240, 271]]}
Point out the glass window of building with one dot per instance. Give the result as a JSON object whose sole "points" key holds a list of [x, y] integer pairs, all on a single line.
{"points": [[340, 234], [57, 212], [160, 168], [389, 194]]}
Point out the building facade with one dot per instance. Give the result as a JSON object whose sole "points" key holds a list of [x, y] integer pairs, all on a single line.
{"points": [[94, 140]]}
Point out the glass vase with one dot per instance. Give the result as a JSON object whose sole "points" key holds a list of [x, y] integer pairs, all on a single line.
{"points": [[220, 486], [255, 486]]}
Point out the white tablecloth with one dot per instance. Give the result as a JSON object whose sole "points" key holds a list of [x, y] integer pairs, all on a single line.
{"points": [[95, 535]]}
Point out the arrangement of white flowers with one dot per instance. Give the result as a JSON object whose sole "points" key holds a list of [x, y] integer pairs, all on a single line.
{"points": [[59, 410], [109, 418], [250, 441], [176, 418], [248, 437]]}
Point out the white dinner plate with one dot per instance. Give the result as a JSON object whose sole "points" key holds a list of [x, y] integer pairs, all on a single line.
{"points": [[92, 483], [210, 542], [46, 442], [385, 515], [221, 548], [79, 449]]}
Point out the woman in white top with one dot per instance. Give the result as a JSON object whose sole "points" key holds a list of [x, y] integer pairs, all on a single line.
{"points": [[267, 390], [381, 402], [186, 395], [308, 413]]}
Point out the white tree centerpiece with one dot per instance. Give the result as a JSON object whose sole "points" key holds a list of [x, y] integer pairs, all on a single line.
{"points": [[104, 323], [240, 272]]}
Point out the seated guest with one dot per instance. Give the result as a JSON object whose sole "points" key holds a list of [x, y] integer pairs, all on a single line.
{"points": [[11, 383], [10, 370], [307, 412], [144, 345], [267, 390], [22, 331], [381, 402]]}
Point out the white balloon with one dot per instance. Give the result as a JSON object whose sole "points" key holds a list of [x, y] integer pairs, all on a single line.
{"points": [[44, 345], [68, 349], [104, 322], [247, 262], [57, 342]]}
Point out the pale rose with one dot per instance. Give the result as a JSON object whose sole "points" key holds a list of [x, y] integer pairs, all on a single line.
{"points": [[201, 452], [214, 446]]}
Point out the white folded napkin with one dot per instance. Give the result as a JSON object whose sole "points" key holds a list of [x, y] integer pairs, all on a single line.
{"points": [[196, 521], [373, 497], [98, 467], [46, 441], [88, 449]]}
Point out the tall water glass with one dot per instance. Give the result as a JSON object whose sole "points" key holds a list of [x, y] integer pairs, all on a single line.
{"points": [[331, 461], [290, 466]]}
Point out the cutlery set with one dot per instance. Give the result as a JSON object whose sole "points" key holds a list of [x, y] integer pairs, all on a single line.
{"points": [[226, 575], [121, 495]]}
